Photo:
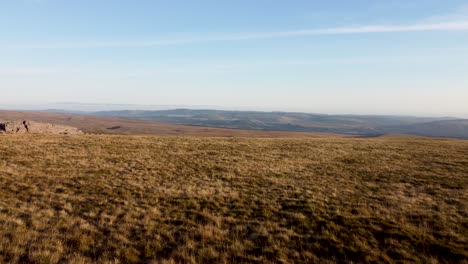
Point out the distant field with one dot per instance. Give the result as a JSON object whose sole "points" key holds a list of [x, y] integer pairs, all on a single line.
{"points": [[363, 125], [145, 199], [121, 126]]}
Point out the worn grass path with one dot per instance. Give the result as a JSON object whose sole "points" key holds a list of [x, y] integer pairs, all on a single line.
{"points": [[134, 199]]}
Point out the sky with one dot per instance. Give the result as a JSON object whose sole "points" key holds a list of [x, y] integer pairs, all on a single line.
{"points": [[397, 57]]}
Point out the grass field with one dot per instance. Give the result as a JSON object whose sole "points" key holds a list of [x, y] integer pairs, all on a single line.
{"points": [[135, 199]]}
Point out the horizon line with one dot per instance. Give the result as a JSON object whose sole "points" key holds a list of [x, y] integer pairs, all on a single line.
{"points": [[457, 116]]}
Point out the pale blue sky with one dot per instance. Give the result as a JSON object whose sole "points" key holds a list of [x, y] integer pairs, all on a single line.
{"points": [[363, 56]]}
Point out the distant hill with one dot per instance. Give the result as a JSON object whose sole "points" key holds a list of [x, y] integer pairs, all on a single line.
{"points": [[121, 126], [190, 122], [363, 125], [445, 128]]}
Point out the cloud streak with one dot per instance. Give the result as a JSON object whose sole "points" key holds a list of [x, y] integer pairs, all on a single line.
{"points": [[448, 26]]}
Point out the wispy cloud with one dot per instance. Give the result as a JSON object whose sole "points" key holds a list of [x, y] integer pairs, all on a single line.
{"points": [[447, 26], [458, 14]]}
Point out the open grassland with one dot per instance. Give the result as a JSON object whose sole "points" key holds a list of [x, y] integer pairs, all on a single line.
{"points": [[135, 199]]}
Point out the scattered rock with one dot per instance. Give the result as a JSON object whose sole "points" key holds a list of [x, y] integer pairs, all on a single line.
{"points": [[37, 127]]}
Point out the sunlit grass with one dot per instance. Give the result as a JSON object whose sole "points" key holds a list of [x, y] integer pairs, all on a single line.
{"points": [[132, 199]]}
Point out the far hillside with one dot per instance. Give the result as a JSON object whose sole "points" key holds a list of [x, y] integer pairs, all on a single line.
{"points": [[445, 128], [122, 126], [362, 125]]}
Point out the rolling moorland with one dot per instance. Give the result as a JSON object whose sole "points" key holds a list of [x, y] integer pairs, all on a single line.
{"points": [[121, 126], [147, 199], [362, 125]]}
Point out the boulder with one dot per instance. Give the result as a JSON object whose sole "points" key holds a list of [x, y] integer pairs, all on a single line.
{"points": [[37, 127]]}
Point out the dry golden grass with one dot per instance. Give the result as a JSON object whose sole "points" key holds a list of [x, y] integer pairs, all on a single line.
{"points": [[134, 199]]}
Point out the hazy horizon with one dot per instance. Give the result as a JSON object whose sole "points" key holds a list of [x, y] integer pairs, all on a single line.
{"points": [[361, 57], [96, 107]]}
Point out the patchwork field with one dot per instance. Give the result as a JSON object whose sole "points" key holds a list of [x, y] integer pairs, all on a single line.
{"points": [[147, 199]]}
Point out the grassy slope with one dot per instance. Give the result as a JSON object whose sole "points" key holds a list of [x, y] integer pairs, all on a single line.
{"points": [[132, 199]]}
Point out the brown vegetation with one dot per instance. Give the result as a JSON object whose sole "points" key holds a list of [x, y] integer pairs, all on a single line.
{"points": [[120, 126], [145, 199]]}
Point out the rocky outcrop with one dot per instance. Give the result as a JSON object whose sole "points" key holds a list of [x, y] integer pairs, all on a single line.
{"points": [[37, 127]]}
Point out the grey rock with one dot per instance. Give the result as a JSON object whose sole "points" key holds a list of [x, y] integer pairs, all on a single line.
{"points": [[37, 127]]}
